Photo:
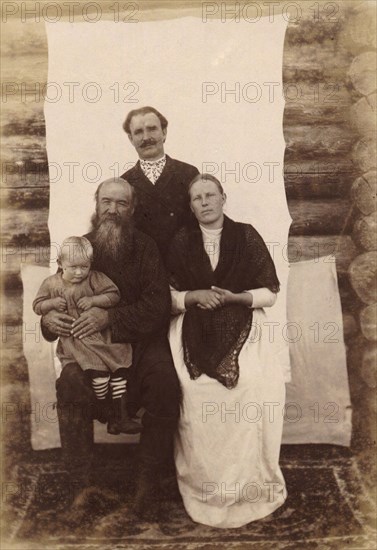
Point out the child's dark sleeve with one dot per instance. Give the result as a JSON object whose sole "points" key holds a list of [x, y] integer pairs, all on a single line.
{"points": [[102, 285], [44, 293]]}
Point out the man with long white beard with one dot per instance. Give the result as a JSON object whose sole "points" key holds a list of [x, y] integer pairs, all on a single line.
{"points": [[131, 259]]}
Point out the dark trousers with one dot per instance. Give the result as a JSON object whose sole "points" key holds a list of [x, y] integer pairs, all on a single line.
{"points": [[153, 385]]}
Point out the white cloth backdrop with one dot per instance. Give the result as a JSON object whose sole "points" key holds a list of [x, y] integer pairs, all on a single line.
{"points": [[318, 405], [98, 72], [184, 68]]}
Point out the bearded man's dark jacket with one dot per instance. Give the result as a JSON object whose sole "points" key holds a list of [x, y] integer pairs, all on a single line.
{"points": [[162, 208]]}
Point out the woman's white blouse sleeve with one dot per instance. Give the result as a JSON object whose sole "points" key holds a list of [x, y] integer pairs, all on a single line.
{"points": [[262, 297], [177, 301]]}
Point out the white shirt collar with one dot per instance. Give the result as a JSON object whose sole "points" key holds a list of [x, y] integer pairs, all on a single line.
{"points": [[150, 162], [210, 232]]}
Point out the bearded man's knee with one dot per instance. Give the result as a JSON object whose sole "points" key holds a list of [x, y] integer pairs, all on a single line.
{"points": [[73, 386]]}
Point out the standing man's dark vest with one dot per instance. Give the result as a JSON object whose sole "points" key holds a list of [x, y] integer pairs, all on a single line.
{"points": [[162, 208]]}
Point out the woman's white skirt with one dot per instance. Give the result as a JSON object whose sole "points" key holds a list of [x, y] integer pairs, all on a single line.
{"points": [[228, 442]]}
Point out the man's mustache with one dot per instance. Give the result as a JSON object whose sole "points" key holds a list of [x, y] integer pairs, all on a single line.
{"points": [[110, 217], [113, 218], [147, 142]]}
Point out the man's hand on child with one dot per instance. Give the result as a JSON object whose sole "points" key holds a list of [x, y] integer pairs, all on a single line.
{"points": [[59, 324], [90, 322]]}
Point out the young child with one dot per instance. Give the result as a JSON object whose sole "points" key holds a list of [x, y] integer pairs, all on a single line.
{"points": [[74, 289]]}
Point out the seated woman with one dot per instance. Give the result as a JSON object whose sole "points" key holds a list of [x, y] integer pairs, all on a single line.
{"points": [[228, 442]]}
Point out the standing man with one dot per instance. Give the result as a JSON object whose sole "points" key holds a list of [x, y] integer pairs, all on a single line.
{"points": [[160, 182], [131, 259]]}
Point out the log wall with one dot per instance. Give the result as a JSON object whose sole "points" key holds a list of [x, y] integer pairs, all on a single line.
{"points": [[330, 176]]}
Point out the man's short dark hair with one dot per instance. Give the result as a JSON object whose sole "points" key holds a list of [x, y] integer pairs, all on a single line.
{"points": [[143, 111]]}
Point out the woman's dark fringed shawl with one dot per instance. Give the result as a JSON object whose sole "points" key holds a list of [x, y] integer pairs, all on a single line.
{"points": [[213, 339]]}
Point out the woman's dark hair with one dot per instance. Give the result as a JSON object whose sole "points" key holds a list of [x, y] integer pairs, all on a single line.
{"points": [[143, 111], [208, 177]]}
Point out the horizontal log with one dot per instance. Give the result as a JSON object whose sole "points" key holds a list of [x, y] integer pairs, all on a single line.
{"points": [[15, 369], [17, 150], [14, 257], [317, 185], [11, 356], [11, 313], [319, 94], [25, 176], [323, 249], [29, 75], [365, 232], [25, 228], [326, 164], [321, 47], [317, 217], [21, 198], [368, 322], [363, 276], [300, 112], [364, 192], [15, 111], [21, 41], [311, 141], [12, 284], [306, 63], [28, 126]]}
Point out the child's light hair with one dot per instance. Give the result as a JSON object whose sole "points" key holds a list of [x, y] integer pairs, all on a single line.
{"points": [[74, 248]]}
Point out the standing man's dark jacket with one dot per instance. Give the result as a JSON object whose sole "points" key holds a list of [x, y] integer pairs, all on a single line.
{"points": [[162, 208]]}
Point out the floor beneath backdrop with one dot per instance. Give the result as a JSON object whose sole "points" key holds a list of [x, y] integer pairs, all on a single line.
{"points": [[327, 508]]}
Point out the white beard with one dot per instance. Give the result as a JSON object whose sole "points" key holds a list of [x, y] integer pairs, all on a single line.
{"points": [[112, 237]]}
